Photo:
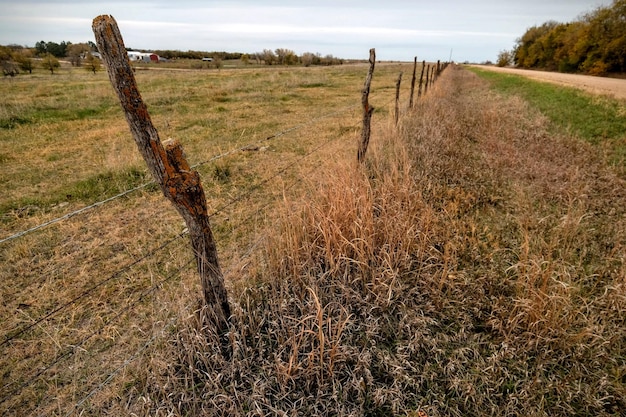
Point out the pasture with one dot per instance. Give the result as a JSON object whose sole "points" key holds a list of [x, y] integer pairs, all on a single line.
{"points": [[474, 265]]}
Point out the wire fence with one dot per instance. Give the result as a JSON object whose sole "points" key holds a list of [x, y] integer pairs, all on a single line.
{"points": [[13, 388]]}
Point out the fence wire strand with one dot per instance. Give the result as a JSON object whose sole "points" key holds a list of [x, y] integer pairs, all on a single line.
{"points": [[76, 346], [88, 291], [152, 340]]}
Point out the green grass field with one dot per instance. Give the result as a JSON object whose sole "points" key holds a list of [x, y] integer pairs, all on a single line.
{"points": [[474, 265]]}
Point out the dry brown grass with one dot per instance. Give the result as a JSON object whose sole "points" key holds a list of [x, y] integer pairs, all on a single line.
{"points": [[475, 266]]}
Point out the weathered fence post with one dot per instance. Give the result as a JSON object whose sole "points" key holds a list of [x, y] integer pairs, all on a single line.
{"points": [[419, 90], [427, 79], [413, 83], [367, 109], [398, 97], [432, 76], [169, 168]]}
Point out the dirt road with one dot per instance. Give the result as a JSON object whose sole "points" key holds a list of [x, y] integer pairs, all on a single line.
{"points": [[597, 85]]}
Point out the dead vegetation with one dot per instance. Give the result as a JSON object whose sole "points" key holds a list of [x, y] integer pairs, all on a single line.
{"points": [[474, 266]]}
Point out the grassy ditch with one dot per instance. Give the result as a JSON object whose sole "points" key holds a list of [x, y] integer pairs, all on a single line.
{"points": [[596, 119]]}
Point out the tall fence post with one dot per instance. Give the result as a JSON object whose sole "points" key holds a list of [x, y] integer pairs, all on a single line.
{"points": [[419, 90], [398, 82], [427, 79], [413, 83], [169, 168], [367, 109]]}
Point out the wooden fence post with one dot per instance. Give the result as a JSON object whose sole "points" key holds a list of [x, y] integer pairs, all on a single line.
{"points": [[169, 168], [427, 79], [413, 83], [419, 90], [398, 97], [367, 109]]}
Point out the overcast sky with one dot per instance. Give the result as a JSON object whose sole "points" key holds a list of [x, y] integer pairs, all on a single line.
{"points": [[474, 30]]}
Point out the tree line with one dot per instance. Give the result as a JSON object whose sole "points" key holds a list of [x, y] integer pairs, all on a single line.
{"points": [[15, 58], [594, 44], [279, 56]]}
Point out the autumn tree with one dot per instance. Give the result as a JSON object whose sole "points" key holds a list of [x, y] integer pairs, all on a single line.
{"points": [[217, 61], [92, 63], [50, 62], [307, 59], [76, 52], [269, 57], [595, 43], [533, 48], [25, 60], [505, 58], [286, 57], [9, 67]]}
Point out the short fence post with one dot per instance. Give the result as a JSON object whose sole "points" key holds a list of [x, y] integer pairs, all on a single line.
{"points": [[367, 109], [398, 97], [413, 83], [419, 90], [169, 168]]}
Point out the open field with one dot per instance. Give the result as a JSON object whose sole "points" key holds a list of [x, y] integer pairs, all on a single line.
{"points": [[475, 265]]}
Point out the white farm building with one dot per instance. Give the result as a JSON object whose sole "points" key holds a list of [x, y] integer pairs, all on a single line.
{"points": [[135, 56]]}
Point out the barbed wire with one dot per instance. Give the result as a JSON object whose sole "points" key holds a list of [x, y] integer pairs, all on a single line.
{"points": [[120, 368], [74, 213], [75, 346], [152, 340], [154, 288], [89, 290]]}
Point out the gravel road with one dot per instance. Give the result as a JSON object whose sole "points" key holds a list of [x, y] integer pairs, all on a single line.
{"points": [[598, 85]]}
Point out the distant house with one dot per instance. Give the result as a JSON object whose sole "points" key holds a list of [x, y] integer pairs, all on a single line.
{"points": [[207, 59], [147, 57]]}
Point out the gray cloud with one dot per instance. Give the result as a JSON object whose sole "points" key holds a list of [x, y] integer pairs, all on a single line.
{"points": [[476, 30]]}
